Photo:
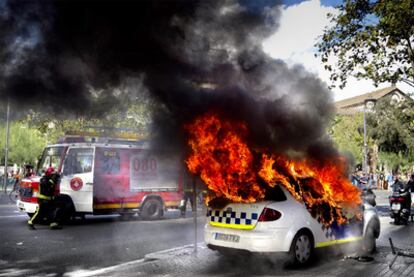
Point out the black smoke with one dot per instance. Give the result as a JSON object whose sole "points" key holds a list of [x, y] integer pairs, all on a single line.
{"points": [[194, 56]]}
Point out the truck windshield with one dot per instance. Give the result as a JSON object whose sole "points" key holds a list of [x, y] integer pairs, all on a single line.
{"points": [[51, 157]]}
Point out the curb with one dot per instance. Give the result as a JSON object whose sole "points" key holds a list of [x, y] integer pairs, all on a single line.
{"points": [[148, 259], [172, 253]]}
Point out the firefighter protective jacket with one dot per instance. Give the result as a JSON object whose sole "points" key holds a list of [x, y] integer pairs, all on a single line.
{"points": [[47, 186]]}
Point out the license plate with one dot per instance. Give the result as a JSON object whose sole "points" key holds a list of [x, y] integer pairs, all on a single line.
{"points": [[227, 237], [396, 206]]}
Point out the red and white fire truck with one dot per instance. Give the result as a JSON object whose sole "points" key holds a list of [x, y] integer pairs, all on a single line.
{"points": [[105, 176]]}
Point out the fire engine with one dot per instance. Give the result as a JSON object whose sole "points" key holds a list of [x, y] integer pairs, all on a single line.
{"points": [[101, 175]]}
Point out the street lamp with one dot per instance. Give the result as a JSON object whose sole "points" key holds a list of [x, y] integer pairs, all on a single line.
{"points": [[369, 105]]}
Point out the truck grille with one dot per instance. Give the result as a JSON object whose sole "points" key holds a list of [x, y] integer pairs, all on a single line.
{"points": [[26, 192]]}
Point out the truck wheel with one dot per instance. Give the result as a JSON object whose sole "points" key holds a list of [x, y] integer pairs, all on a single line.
{"points": [[68, 212], [152, 209], [301, 250]]}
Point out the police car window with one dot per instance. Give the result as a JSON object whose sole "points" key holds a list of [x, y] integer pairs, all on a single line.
{"points": [[275, 194], [77, 161]]}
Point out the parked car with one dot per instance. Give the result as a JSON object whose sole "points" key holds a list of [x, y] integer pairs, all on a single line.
{"points": [[282, 224]]}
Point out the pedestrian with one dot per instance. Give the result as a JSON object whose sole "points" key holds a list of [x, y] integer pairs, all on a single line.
{"points": [[29, 171], [381, 181], [16, 178], [188, 195], [397, 185], [354, 179], [410, 183], [390, 179], [371, 181], [45, 199]]}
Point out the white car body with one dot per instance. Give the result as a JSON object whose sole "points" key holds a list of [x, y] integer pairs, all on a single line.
{"points": [[236, 226]]}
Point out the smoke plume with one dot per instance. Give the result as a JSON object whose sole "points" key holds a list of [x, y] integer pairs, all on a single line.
{"points": [[193, 57]]}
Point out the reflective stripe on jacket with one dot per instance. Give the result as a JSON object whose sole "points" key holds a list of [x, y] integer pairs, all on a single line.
{"points": [[46, 188]]}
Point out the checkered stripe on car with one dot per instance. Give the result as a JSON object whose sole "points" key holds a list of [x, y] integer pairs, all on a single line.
{"points": [[327, 230], [230, 217], [336, 231]]}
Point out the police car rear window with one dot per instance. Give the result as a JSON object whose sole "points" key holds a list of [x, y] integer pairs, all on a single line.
{"points": [[275, 194]]}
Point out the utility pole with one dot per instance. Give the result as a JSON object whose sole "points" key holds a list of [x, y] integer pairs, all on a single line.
{"points": [[369, 105], [365, 165], [6, 148], [195, 213]]}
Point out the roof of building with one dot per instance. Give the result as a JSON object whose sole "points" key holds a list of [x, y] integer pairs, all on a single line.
{"points": [[358, 100]]}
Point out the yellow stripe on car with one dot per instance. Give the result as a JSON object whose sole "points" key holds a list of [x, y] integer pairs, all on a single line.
{"points": [[233, 226], [338, 241]]}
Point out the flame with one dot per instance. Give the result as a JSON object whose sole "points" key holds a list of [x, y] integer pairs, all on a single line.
{"points": [[223, 160], [230, 168], [324, 190]]}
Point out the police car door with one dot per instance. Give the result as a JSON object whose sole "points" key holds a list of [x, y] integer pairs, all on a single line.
{"points": [[77, 177]]}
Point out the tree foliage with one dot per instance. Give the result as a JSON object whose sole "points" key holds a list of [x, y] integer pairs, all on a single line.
{"points": [[25, 144], [346, 133], [391, 125], [136, 118], [370, 39]]}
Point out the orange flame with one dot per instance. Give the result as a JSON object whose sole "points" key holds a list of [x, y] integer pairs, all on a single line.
{"points": [[231, 169], [222, 159]]}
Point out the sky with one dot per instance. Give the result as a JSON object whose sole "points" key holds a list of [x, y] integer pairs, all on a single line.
{"points": [[306, 20]]}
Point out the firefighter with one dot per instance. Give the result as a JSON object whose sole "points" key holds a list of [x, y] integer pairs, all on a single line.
{"points": [[46, 204]]}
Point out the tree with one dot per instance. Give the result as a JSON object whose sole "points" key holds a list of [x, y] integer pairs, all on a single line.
{"points": [[370, 39], [346, 133], [135, 117], [25, 144], [391, 125]]}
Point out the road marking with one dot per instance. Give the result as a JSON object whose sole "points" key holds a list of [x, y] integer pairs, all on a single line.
{"points": [[17, 215], [97, 272]]}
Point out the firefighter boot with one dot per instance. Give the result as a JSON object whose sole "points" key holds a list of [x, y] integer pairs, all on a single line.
{"points": [[31, 226], [55, 226]]}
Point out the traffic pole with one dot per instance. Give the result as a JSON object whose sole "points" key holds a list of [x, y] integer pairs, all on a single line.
{"points": [[6, 149], [195, 213]]}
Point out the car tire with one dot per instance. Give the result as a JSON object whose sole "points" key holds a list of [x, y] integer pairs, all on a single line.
{"points": [[152, 209], [369, 241], [302, 248]]}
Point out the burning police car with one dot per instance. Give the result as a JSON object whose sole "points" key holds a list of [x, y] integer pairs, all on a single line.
{"points": [[283, 224]]}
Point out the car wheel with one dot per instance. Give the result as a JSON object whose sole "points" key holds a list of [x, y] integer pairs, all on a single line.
{"points": [[369, 241], [152, 209], [301, 250]]}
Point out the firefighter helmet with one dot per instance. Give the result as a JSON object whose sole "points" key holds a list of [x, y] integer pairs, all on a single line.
{"points": [[49, 171]]}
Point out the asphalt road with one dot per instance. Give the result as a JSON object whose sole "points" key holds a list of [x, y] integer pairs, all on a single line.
{"points": [[96, 242], [101, 242], [329, 261]]}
